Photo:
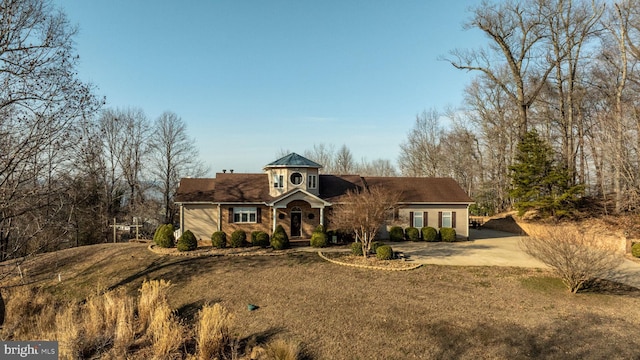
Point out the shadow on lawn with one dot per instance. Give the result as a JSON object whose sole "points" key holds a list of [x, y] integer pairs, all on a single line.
{"points": [[585, 336]]}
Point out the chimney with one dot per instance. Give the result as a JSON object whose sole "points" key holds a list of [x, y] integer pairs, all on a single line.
{"points": [[231, 171], [224, 171]]}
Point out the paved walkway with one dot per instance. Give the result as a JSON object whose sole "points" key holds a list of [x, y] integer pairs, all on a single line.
{"points": [[491, 248]]}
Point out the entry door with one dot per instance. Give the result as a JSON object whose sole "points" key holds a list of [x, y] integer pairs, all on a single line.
{"points": [[296, 216]]}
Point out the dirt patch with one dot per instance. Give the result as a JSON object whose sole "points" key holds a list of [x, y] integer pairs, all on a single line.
{"points": [[504, 222]]}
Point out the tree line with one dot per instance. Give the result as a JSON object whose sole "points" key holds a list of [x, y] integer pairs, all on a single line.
{"points": [[67, 166], [565, 69]]}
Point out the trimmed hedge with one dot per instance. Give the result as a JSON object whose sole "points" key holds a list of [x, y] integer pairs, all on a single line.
{"points": [[635, 250], [356, 248], [375, 245], [238, 239], [254, 234], [187, 242], [396, 233], [384, 252], [279, 240], [219, 239], [164, 236], [262, 239], [319, 238], [412, 233], [429, 234], [448, 234]]}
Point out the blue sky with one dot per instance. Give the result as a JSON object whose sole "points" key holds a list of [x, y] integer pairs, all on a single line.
{"points": [[252, 77]]}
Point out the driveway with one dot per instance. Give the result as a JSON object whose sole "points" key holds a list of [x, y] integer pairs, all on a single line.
{"points": [[493, 248]]}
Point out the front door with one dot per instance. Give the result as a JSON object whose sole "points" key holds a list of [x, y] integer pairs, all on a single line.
{"points": [[296, 216]]}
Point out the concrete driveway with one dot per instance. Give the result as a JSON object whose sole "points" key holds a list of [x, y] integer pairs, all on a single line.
{"points": [[493, 248]]}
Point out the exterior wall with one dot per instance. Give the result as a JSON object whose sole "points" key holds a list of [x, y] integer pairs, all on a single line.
{"points": [[288, 185], [462, 216], [230, 227], [283, 217], [202, 220]]}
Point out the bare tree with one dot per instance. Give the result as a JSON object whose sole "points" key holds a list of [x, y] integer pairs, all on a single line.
{"points": [[518, 34], [344, 163], [576, 257], [376, 167], [364, 212], [422, 154], [323, 154], [173, 157]]}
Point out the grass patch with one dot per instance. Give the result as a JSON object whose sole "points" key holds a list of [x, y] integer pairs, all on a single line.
{"points": [[545, 284]]}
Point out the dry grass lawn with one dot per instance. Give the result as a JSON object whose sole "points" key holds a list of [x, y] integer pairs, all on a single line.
{"points": [[337, 312]]}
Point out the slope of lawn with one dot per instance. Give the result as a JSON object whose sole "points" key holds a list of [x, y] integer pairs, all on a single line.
{"points": [[349, 313]]}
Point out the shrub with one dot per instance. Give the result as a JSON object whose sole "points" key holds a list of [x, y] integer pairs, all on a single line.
{"points": [[254, 234], [635, 250], [356, 248], [448, 234], [279, 240], [429, 234], [238, 239], [384, 252], [412, 233], [375, 245], [318, 239], [165, 238], [219, 239], [262, 239], [577, 258], [396, 233], [187, 242]]}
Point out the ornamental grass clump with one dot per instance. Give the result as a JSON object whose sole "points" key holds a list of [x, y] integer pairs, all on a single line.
{"points": [[187, 242]]}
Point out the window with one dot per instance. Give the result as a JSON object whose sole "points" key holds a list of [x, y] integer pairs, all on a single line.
{"points": [[446, 219], [278, 181], [245, 215], [312, 181], [296, 178], [417, 219]]}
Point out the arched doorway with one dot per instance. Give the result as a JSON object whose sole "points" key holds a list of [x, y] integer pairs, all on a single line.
{"points": [[296, 221]]}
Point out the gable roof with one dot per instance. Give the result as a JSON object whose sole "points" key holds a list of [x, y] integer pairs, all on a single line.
{"points": [[294, 160], [254, 188]]}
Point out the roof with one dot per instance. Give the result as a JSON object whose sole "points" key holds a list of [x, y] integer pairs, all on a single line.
{"points": [[254, 188], [225, 188], [294, 160]]}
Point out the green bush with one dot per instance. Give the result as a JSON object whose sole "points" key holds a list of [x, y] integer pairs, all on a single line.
{"points": [[396, 233], [429, 234], [384, 252], [254, 234], [319, 238], [448, 234], [157, 233], [238, 239], [165, 238], [262, 239], [375, 245], [279, 240], [635, 250], [187, 242], [356, 248], [219, 239], [412, 233]]}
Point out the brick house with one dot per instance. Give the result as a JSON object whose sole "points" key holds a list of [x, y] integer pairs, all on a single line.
{"points": [[292, 193]]}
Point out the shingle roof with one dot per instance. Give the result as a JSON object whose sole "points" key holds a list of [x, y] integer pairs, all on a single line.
{"points": [[294, 160], [237, 187]]}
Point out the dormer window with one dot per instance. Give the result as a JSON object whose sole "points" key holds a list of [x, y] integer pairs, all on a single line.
{"points": [[296, 178]]}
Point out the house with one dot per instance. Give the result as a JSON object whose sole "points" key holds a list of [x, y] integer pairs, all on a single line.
{"points": [[291, 192]]}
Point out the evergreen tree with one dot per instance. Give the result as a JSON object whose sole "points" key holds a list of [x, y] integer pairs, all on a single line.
{"points": [[538, 182]]}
